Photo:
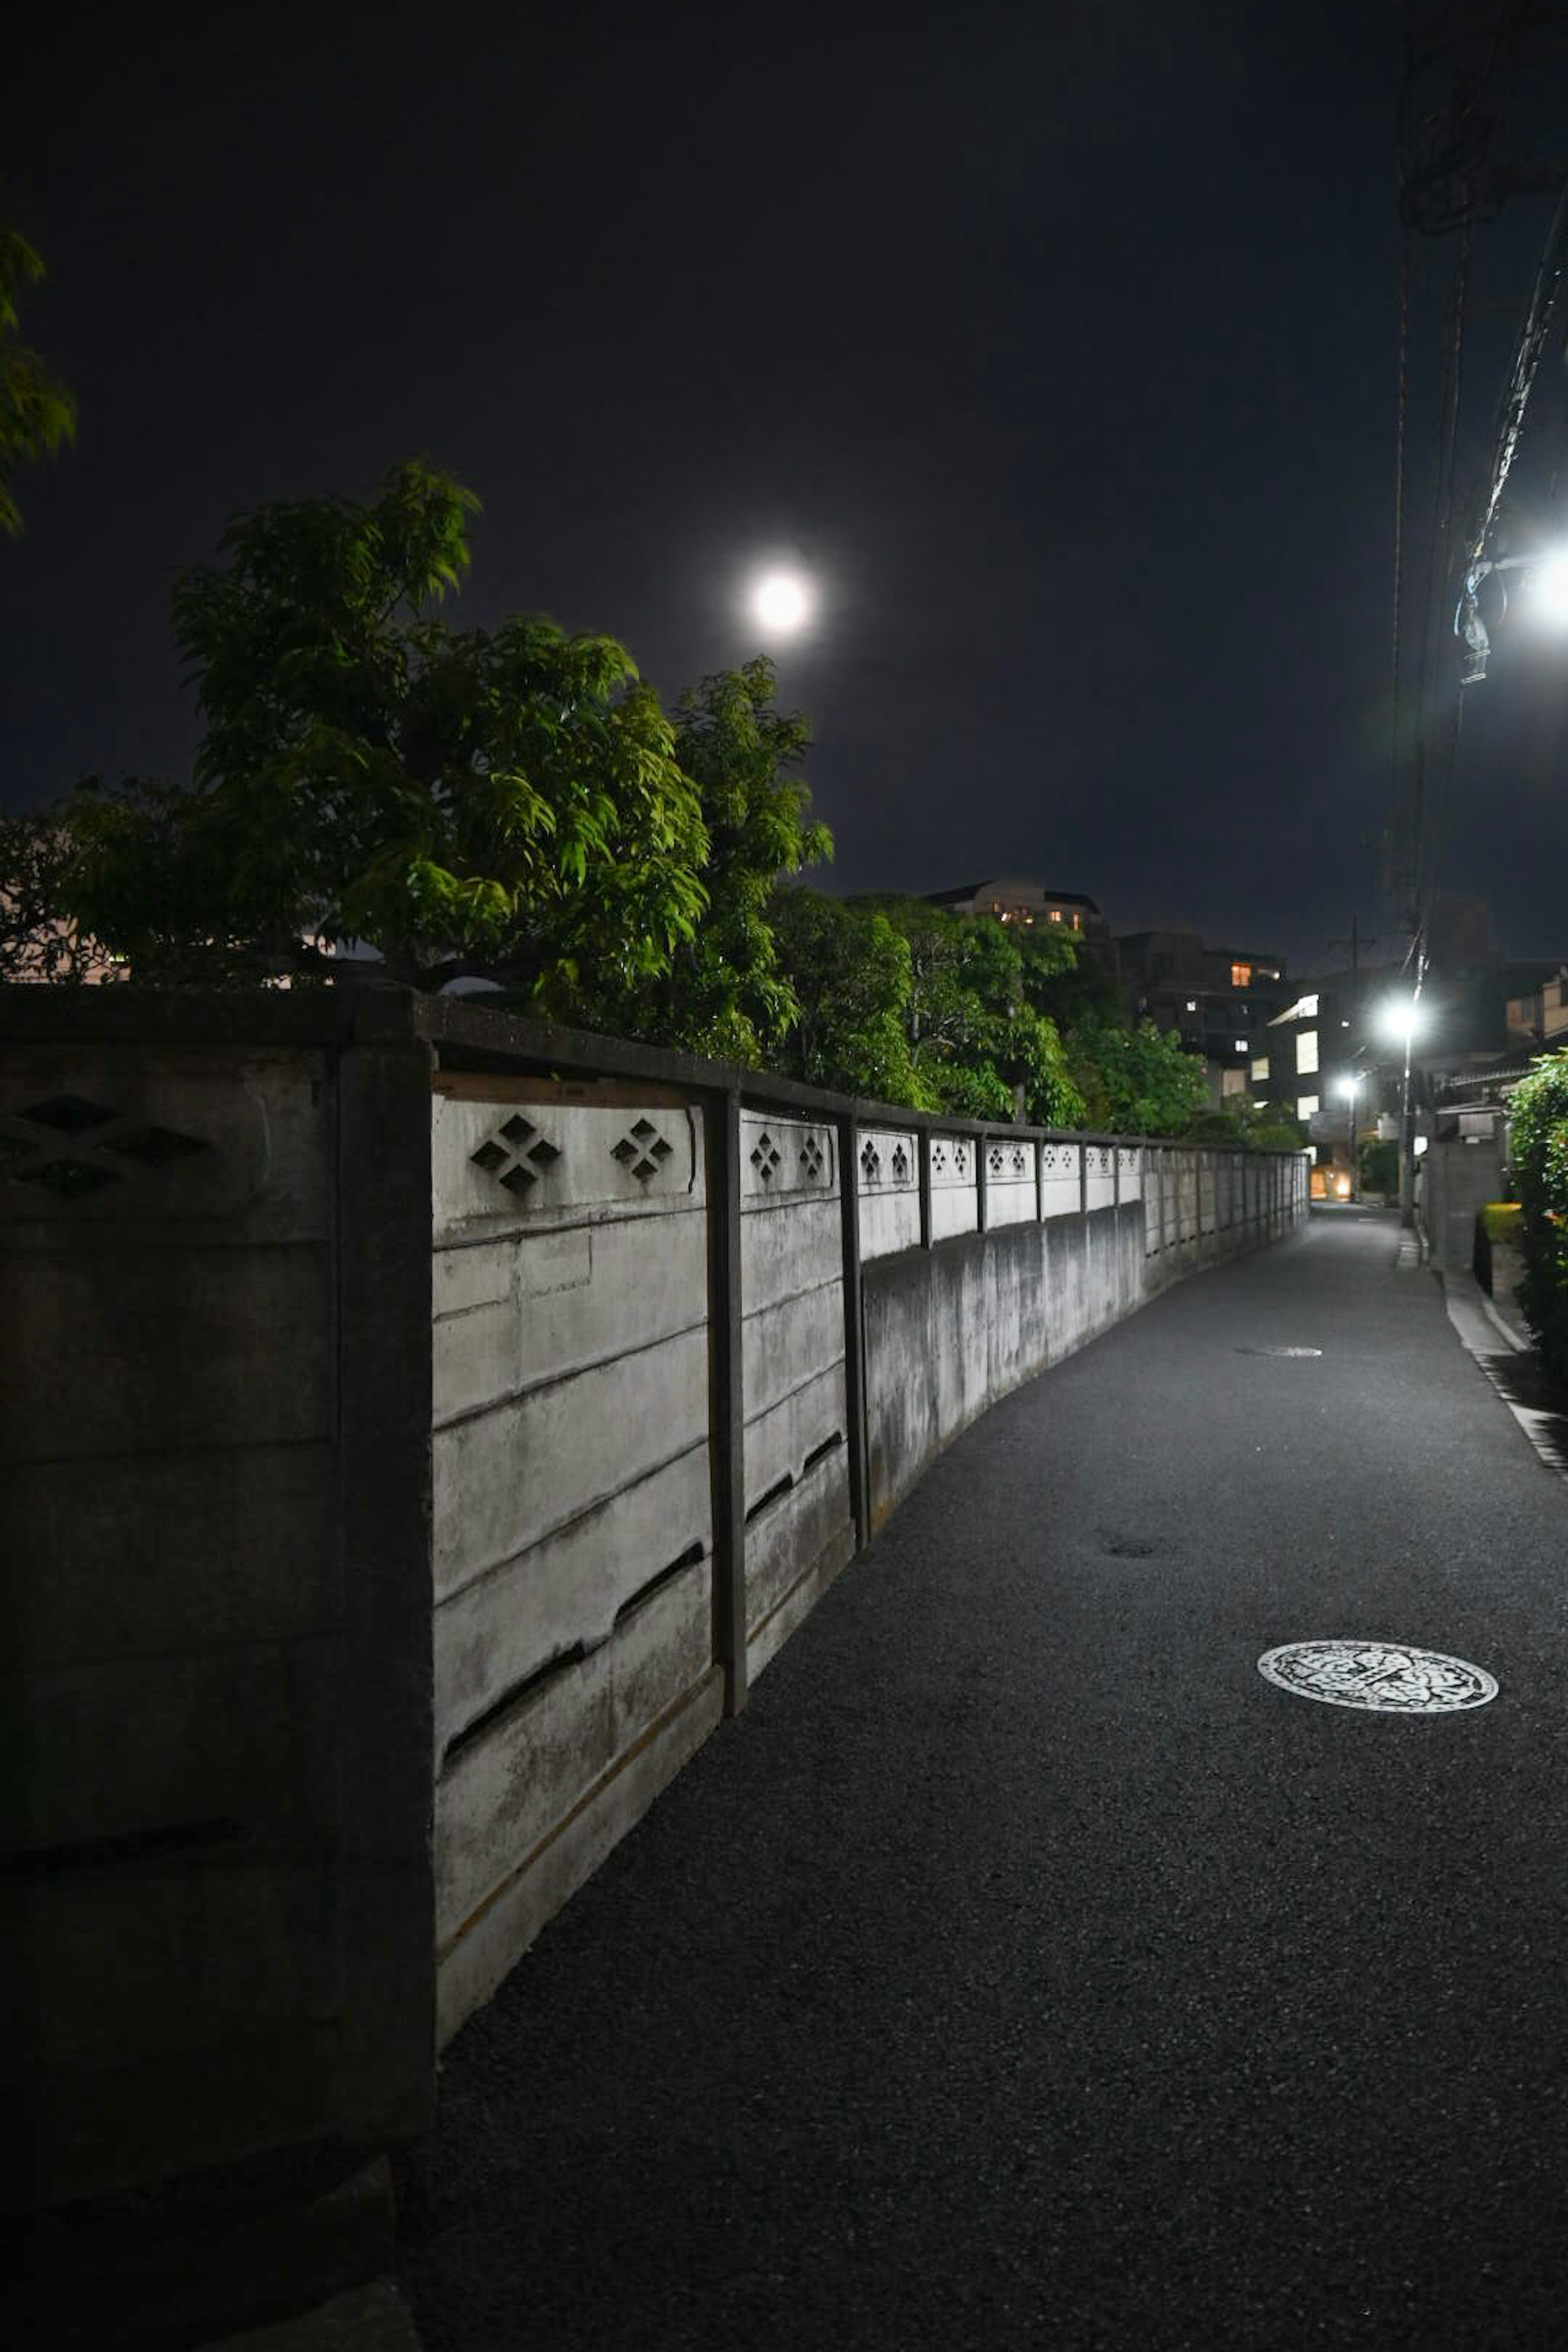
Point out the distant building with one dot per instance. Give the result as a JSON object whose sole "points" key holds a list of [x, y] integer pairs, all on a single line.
{"points": [[1539, 1015], [1215, 998], [1032, 905]]}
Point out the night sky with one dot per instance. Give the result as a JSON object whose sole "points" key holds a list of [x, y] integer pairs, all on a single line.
{"points": [[1058, 342]]}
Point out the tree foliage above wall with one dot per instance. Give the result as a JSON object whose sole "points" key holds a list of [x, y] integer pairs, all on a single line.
{"points": [[515, 806]]}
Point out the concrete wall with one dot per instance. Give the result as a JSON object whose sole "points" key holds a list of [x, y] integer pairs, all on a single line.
{"points": [[216, 1666], [950, 1328], [1459, 1173], [419, 1426]]}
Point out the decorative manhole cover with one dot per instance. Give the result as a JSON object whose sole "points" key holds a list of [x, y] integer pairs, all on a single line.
{"points": [[1380, 1676], [1279, 1352]]}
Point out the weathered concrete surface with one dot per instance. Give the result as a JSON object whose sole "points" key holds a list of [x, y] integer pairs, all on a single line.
{"points": [[217, 1903]]}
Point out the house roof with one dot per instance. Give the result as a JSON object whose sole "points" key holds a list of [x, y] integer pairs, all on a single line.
{"points": [[1010, 882]]}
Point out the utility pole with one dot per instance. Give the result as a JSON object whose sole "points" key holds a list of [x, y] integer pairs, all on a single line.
{"points": [[1355, 943]]}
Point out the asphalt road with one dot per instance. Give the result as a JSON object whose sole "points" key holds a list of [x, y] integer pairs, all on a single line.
{"points": [[1021, 1967]]}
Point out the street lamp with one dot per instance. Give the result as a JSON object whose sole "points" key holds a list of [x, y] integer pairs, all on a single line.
{"points": [[1544, 598], [1399, 1018]]}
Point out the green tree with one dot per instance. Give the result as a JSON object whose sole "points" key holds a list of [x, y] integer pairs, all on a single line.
{"points": [[38, 941], [724, 990], [36, 412], [848, 970], [1134, 1081], [1379, 1159], [1239, 1124], [978, 1047], [1063, 980], [505, 802], [1538, 1151]]}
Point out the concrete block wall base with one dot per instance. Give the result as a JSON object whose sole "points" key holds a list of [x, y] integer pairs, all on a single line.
{"points": [[490, 1945], [371, 2318], [203, 2259], [766, 1640]]}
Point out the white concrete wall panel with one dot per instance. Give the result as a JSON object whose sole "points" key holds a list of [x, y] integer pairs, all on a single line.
{"points": [[1010, 1183], [495, 1631], [955, 1202], [1130, 1174], [888, 1181], [1061, 1179], [506, 1478], [781, 1439], [508, 1786], [784, 1157], [498, 1166], [537, 1305], [1100, 1175], [795, 1530]]}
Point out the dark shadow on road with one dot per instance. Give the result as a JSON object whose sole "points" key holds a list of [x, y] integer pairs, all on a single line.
{"points": [[1522, 1381]]}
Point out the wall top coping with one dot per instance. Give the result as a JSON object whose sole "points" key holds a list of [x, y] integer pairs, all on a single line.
{"points": [[458, 1033]]}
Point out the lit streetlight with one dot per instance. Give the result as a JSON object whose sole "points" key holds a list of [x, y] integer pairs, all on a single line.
{"points": [[1399, 1020]]}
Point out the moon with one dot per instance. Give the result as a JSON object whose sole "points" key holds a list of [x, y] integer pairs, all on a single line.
{"points": [[781, 602]]}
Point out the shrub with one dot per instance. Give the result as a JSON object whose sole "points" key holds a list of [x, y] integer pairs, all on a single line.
{"points": [[1539, 1155]]}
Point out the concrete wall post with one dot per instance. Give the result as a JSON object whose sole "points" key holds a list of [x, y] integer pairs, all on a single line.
{"points": [[726, 1449]]}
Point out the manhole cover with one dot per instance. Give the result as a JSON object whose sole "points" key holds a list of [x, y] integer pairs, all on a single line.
{"points": [[1279, 1352], [1378, 1674]]}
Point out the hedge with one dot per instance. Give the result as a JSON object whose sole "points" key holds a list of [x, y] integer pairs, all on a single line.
{"points": [[1539, 1113]]}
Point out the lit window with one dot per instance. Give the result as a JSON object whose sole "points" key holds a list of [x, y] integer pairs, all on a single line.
{"points": [[1028, 920], [1306, 1050], [1076, 924], [1241, 1045], [1305, 1106], [1192, 1004], [1241, 975], [1056, 914], [1260, 1066], [996, 906]]}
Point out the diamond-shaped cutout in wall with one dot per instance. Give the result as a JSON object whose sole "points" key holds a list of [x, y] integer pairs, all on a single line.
{"points": [[69, 1113], [870, 1163], [517, 1130], [641, 1150], [900, 1165], [765, 1157], [71, 1179], [810, 1159], [489, 1157], [154, 1147], [996, 1161], [519, 1178], [544, 1153]]}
